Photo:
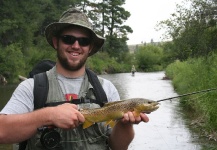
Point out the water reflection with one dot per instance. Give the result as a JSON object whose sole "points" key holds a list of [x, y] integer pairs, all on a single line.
{"points": [[166, 129]]}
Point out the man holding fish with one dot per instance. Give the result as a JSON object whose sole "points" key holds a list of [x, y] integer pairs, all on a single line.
{"points": [[74, 41]]}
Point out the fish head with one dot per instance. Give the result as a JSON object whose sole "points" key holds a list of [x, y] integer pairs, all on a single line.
{"points": [[147, 106]]}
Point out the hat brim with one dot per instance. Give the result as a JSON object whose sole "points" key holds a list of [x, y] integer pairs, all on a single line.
{"points": [[53, 28]]}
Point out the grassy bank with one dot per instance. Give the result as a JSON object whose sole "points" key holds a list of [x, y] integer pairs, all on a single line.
{"points": [[195, 75]]}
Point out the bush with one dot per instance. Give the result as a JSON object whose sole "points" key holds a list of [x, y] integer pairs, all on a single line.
{"points": [[12, 61], [149, 58], [195, 75], [102, 63]]}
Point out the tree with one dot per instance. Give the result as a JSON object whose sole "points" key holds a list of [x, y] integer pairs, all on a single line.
{"points": [[149, 58], [190, 28], [114, 17], [19, 22], [23, 24], [108, 17], [12, 61]]}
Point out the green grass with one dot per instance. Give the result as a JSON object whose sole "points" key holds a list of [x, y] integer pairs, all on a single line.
{"points": [[195, 75]]}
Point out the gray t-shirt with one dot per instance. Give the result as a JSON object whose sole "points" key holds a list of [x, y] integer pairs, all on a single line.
{"points": [[22, 98]]}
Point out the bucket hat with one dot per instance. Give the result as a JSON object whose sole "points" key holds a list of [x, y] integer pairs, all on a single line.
{"points": [[74, 16]]}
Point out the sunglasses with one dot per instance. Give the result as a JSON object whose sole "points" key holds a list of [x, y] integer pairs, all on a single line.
{"points": [[70, 40]]}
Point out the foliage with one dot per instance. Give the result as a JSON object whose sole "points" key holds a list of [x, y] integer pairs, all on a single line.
{"points": [[108, 18], [149, 58], [24, 23], [12, 61], [169, 55], [117, 48], [195, 75], [101, 63], [35, 55], [192, 28]]}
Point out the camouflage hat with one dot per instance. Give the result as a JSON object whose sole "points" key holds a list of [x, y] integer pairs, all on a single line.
{"points": [[73, 17]]}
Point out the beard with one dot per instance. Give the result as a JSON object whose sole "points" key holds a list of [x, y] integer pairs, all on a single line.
{"points": [[67, 65]]}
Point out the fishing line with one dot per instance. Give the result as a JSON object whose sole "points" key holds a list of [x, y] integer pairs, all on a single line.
{"points": [[187, 94], [162, 137]]}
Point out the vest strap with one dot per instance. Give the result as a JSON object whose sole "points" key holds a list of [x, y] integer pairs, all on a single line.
{"points": [[40, 90]]}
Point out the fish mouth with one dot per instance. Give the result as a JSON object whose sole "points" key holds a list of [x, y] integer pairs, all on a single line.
{"points": [[156, 106], [153, 107]]}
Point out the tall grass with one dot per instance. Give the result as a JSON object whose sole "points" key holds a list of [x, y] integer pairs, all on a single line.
{"points": [[194, 75]]}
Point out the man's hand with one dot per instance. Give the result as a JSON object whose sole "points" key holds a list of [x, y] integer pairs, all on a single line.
{"points": [[66, 116], [130, 118], [123, 132]]}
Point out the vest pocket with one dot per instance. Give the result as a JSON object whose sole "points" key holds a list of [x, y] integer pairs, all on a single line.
{"points": [[93, 138], [97, 133]]}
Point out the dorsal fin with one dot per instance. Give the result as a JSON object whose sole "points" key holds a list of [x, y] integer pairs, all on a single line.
{"points": [[112, 103]]}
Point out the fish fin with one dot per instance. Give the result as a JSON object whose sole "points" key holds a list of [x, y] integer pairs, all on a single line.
{"points": [[112, 103], [87, 124], [136, 113], [111, 123]]}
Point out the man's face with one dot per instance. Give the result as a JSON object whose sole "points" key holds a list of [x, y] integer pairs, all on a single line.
{"points": [[73, 47]]}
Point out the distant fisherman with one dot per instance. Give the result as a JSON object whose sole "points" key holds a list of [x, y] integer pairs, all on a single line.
{"points": [[133, 70]]}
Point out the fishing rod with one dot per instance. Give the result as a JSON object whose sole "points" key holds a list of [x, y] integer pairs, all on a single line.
{"points": [[207, 90]]}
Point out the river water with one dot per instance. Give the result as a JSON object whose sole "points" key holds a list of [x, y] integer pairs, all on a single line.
{"points": [[166, 129]]}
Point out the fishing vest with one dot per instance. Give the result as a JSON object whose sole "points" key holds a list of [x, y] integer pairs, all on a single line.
{"points": [[93, 138]]}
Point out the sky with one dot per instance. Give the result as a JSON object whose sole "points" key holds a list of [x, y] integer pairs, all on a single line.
{"points": [[145, 14]]}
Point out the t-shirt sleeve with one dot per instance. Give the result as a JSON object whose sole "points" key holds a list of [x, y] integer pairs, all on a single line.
{"points": [[110, 90], [21, 100]]}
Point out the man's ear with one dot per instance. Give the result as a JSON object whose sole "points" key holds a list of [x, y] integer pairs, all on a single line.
{"points": [[55, 40], [91, 48]]}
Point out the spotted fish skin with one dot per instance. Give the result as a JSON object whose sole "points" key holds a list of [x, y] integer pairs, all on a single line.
{"points": [[113, 111]]}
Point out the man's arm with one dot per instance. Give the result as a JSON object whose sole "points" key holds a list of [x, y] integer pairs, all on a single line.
{"points": [[19, 127], [121, 136], [15, 128], [123, 132]]}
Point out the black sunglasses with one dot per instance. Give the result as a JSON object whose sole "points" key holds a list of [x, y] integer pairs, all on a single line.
{"points": [[70, 40]]}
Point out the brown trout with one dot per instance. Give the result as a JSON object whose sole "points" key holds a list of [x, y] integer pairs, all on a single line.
{"points": [[113, 111]]}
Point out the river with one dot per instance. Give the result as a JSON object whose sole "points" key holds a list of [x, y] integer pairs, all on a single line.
{"points": [[166, 129]]}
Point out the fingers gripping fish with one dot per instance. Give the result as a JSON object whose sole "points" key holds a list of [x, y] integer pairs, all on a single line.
{"points": [[113, 111]]}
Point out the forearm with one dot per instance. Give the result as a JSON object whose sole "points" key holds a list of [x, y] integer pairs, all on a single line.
{"points": [[121, 136], [19, 127]]}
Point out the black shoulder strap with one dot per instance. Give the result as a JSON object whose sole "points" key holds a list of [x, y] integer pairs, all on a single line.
{"points": [[40, 90], [98, 90], [40, 93], [22, 145]]}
